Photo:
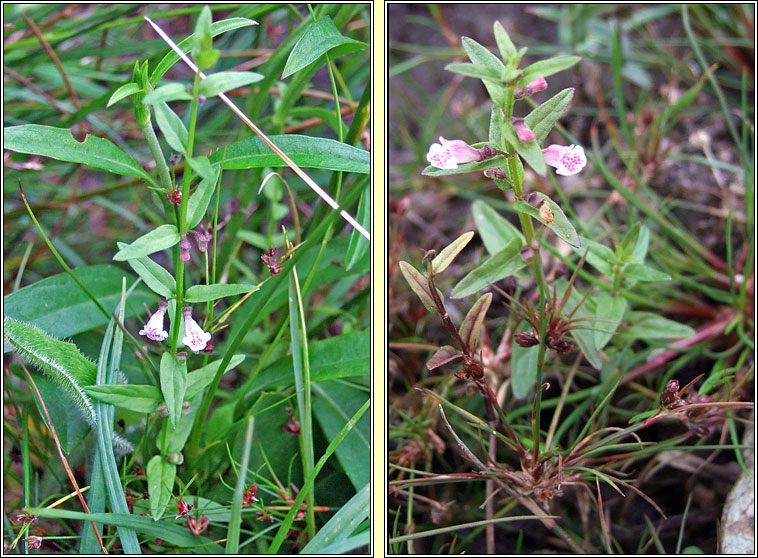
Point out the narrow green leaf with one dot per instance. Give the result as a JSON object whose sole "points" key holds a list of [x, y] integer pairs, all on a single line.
{"points": [[173, 385], [172, 534], [235, 520], [504, 43], [199, 201], [529, 150], [473, 70], [585, 338], [156, 240], [136, 398], [153, 274], [217, 28], [58, 143], [608, 307], [643, 272], [166, 93], [448, 254], [523, 365], [495, 162], [202, 166], [560, 225], [481, 56], [544, 68], [359, 245], [342, 525], [503, 264], [305, 151], [651, 326], [204, 293], [123, 92], [221, 82], [321, 37], [199, 379], [599, 256], [542, 119], [61, 361], [172, 127], [160, 482], [471, 326], [494, 230]]}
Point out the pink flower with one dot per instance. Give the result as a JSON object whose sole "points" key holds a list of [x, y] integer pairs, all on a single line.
{"points": [[567, 159], [33, 542], [196, 339], [448, 154], [530, 88], [154, 327], [522, 132], [185, 246]]}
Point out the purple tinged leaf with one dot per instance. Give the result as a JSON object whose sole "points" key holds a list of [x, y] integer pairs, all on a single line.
{"points": [[419, 284], [448, 254], [472, 323], [444, 355]]}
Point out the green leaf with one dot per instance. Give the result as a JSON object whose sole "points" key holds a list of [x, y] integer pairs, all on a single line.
{"points": [[359, 245], [560, 225], [642, 272], [599, 256], [58, 143], [59, 307], [529, 150], [321, 37], [343, 356], [651, 326], [172, 534], [199, 379], [71, 425], [523, 365], [156, 240], [608, 307], [305, 151], [199, 200], [504, 43], [542, 119], [503, 264], [202, 166], [471, 326], [136, 398], [61, 361], [334, 402], [204, 293], [473, 70], [173, 385], [160, 483], [481, 56], [172, 127], [123, 92], [544, 68], [585, 338], [203, 53], [343, 523], [166, 93], [153, 274], [494, 230], [448, 254], [493, 163], [221, 82], [207, 58], [217, 28], [419, 284]]}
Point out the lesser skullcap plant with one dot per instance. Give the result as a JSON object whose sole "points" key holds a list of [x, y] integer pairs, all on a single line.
{"points": [[528, 467], [214, 415]]}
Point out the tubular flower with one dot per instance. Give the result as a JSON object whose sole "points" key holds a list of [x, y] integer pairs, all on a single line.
{"points": [[522, 132], [196, 339], [530, 88], [448, 154], [567, 159], [154, 327]]}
